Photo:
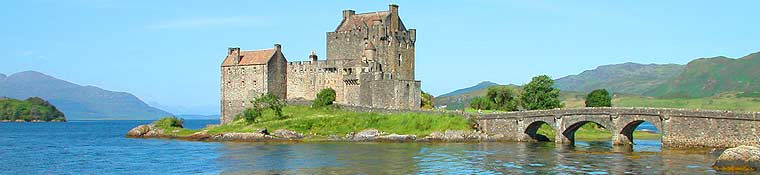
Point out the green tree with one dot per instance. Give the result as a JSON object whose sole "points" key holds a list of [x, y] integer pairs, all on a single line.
{"points": [[325, 97], [426, 101], [259, 104], [539, 94], [599, 98], [502, 97], [480, 103], [270, 101]]}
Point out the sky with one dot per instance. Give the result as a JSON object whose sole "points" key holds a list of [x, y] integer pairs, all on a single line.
{"points": [[169, 52]]}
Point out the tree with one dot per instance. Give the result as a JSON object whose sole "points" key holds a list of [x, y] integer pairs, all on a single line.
{"points": [[599, 98], [426, 101], [266, 101], [480, 103], [325, 97], [270, 101], [502, 97], [539, 94]]}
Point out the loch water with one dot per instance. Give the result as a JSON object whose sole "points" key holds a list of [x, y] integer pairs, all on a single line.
{"points": [[99, 147]]}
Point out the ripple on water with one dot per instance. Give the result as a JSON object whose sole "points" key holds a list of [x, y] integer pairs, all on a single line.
{"points": [[98, 147]]}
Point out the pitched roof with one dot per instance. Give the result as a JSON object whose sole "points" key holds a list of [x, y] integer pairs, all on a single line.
{"points": [[250, 57], [365, 19]]}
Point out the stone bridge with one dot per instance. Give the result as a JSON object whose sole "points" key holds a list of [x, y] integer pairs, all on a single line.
{"points": [[679, 127]]}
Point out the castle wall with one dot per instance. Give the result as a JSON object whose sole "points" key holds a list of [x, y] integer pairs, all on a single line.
{"points": [[240, 84], [394, 94], [277, 80], [395, 51]]}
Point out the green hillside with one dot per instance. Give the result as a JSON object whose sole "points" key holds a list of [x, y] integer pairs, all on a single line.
{"points": [[29, 110], [628, 78], [707, 77], [463, 96]]}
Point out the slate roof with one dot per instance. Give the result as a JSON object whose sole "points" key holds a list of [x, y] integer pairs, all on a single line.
{"points": [[255, 57], [366, 19]]}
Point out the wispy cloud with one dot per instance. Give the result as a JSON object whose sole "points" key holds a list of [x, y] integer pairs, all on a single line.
{"points": [[208, 22]]}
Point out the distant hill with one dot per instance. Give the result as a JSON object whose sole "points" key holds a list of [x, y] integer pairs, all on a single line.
{"points": [[628, 78], [706, 77], [479, 86], [75, 101], [2, 77]]}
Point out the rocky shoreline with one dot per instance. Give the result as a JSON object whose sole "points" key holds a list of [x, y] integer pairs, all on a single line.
{"points": [[367, 135]]}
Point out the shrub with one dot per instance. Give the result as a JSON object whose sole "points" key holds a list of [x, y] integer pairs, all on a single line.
{"points": [[599, 98], [426, 101], [539, 94], [169, 122], [325, 97], [249, 115]]}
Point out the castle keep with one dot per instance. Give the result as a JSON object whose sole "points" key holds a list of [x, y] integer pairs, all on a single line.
{"points": [[370, 63]]}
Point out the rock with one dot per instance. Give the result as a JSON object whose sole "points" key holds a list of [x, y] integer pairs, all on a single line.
{"points": [[238, 136], [365, 135], [200, 135], [263, 131], [287, 134], [397, 138], [742, 158], [456, 136], [149, 130]]}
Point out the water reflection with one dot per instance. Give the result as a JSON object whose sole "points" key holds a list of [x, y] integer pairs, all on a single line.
{"points": [[646, 157]]}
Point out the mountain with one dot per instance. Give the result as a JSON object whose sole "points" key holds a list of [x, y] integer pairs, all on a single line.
{"points": [[628, 78], [2, 77], [706, 77], [479, 86], [75, 101]]}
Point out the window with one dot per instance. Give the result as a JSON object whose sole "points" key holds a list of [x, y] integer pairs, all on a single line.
{"points": [[400, 59]]}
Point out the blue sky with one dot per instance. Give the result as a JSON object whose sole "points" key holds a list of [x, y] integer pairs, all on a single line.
{"points": [[169, 52]]}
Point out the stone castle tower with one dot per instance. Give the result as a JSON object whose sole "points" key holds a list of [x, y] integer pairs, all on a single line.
{"points": [[370, 62]]}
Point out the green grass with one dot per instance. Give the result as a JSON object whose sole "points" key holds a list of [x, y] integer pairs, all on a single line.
{"points": [[329, 121]]}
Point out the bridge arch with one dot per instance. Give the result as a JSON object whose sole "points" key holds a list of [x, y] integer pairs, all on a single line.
{"points": [[532, 131], [625, 135], [569, 132]]}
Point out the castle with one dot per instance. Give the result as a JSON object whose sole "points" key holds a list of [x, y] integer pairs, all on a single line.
{"points": [[370, 63]]}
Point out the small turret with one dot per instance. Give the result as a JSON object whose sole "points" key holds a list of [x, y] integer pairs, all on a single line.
{"points": [[313, 56], [393, 8]]}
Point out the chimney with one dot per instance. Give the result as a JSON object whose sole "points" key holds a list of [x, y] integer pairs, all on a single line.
{"points": [[313, 56], [413, 35], [348, 13], [393, 8], [277, 47], [235, 53]]}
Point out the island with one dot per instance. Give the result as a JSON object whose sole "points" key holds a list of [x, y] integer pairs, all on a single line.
{"points": [[33, 109]]}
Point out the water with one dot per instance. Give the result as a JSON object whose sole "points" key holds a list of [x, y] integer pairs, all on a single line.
{"points": [[99, 147]]}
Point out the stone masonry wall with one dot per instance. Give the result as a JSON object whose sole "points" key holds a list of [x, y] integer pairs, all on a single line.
{"points": [[239, 85], [680, 128], [395, 50]]}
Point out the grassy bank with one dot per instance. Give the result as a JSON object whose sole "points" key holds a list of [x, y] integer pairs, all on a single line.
{"points": [[330, 121]]}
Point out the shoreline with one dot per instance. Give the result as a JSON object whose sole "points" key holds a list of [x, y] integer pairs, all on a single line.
{"points": [[32, 121], [149, 131]]}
